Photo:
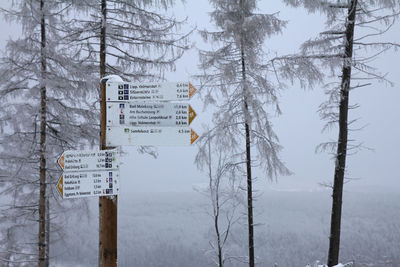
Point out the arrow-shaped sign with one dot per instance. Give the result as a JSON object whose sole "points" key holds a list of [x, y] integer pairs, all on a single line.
{"points": [[166, 91], [193, 136], [192, 114], [82, 160], [60, 185], [149, 114], [60, 161], [192, 90], [87, 184], [152, 136]]}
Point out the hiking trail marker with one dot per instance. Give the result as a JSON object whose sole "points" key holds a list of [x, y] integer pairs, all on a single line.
{"points": [[165, 114], [156, 136], [88, 173], [149, 114], [165, 91]]}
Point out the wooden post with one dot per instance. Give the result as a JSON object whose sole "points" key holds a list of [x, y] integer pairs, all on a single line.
{"points": [[108, 206]]}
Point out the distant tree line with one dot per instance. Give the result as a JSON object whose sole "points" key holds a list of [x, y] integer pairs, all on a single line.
{"points": [[50, 100]]}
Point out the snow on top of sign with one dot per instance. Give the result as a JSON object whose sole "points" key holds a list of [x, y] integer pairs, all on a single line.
{"points": [[111, 78]]}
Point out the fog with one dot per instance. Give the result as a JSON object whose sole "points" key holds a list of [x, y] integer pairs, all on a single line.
{"points": [[292, 229], [163, 221], [298, 128]]}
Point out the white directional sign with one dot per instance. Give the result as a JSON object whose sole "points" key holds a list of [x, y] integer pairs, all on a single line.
{"points": [[166, 91], [88, 184], [88, 173], [76, 160], [149, 114], [156, 136]]}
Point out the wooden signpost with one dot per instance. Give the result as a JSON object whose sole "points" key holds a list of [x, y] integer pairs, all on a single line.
{"points": [[131, 114]]}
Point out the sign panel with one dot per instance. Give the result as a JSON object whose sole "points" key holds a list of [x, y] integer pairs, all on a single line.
{"points": [[156, 136], [88, 184], [166, 91], [76, 160], [149, 114]]}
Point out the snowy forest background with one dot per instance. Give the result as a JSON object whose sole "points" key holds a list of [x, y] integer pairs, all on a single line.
{"points": [[173, 229], [164, 214]]}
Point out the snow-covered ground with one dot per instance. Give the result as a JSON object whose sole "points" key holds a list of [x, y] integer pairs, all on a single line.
{"points": [[173, 229]]}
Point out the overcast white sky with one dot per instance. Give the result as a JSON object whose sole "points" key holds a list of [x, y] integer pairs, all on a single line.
{"points": [[299, 128]]}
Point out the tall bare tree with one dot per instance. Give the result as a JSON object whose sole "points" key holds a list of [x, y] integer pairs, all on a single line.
{"points": [[43, 112], [224, 192], [353, 26], [140, 43], [236, 80]]}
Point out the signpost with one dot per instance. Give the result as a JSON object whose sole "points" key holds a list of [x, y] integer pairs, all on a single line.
{"points": [[88, 173], [156, 136], [149, 114], [166, 91], [137, 114]]}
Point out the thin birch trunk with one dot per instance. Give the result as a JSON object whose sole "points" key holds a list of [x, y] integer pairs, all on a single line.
{"points": [[214, 190]]}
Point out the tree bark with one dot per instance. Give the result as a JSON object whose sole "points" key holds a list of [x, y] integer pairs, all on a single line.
{"points": [[47, 261], [107, 205], [42, 148], [216, 225], [248, 162], [214, 192], [340, 163]]}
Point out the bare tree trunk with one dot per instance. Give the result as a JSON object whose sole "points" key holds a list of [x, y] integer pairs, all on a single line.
{"points": [[42, 149], [107, 205], [216, 224], [248, 164], [214, 191], [47, 263], [248, 157], [340, 164]]}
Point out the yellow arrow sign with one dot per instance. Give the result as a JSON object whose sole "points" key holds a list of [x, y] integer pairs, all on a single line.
{"points": [[60, 161], [193, 136], [192, 90], [192, 114], [60, 186]]}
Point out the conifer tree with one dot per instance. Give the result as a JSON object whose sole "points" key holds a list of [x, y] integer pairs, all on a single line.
{"points": [[354, 38], [44, 110], [237, 82]]}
